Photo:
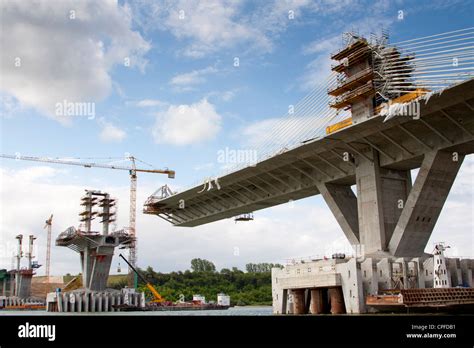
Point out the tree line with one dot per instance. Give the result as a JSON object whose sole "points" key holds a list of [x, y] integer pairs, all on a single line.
{"points": [[252, 287]]}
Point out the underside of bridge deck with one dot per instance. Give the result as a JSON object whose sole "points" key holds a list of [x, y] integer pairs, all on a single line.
{"points": [[386, 212]]}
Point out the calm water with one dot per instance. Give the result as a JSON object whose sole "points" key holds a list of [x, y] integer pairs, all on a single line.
{"points": [[230, 311]]}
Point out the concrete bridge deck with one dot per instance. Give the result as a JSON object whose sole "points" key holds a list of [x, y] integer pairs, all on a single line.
{"points": [[446, 124]]}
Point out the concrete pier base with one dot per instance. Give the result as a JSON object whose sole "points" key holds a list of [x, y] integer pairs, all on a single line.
{"points": [[14, 301], [341, 285], [91, 301]]}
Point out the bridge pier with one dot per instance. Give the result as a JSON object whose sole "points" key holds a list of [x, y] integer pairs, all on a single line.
{"points": [[388, 215]]}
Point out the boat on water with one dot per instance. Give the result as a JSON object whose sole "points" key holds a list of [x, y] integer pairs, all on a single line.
{"points": [[187, 306]]}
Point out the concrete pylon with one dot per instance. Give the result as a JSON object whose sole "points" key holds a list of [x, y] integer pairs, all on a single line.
{"points": [[95, 249], [381, 194]]}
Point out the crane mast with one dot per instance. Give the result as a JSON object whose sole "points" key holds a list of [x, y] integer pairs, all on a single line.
{"points": [[48, 226], [133, 212]]}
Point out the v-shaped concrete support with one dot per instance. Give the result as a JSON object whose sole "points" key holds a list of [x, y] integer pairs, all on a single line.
{"points": [[424, 203], [343, 204]]}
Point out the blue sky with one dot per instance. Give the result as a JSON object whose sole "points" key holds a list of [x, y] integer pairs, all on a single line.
{"points": [[175, 62]]}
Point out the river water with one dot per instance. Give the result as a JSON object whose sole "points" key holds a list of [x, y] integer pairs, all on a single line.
{"points": [[250, 310]]}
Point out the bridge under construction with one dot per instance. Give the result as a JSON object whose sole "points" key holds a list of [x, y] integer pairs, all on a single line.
{"points": [[386, 109]]}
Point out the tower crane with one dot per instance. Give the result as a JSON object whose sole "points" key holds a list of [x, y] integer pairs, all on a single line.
{"points": [[132, 170], [48, 225]]}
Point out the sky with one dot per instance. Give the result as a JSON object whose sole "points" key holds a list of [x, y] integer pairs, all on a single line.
{"points": [[173, 83]]}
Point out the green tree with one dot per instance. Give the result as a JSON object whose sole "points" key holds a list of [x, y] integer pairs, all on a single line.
{"points": [[261, 267], [250, 288], [202, 265]]}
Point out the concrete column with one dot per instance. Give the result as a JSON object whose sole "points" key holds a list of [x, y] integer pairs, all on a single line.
{"points": [[86, 259], [384, 274], [298, 300], [318, 301], [86, 302], [106, 212], [424, 203], [405, 275], [66, 303], [59, 301], [99, 298], [337, 300], [93, 302], [454, 267], [105, 306], [466, 268], [112, 303], [381, 195], [369, 276], [369, 204], [417, 265], [284, 302]]}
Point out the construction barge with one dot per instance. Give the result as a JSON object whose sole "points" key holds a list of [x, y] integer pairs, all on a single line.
{"points": [[160, 304], [173, 307]]}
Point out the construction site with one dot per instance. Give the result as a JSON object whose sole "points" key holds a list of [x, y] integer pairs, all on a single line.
{"points": [[393, 109]]}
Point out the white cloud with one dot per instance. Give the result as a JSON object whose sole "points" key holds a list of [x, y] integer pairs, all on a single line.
{"points": [[187, 124], [228, 95], [8, 105], [149, 102], [317, 74], [211, 26], [47, 57], [194, 77], [324, 46], [110, 132], [225, 96], [35, 173]]}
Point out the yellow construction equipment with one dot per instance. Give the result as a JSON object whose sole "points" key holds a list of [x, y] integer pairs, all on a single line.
{"points": [[157, 298], [73, 284], [402, 99], [339, 125], [405, 98]]}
